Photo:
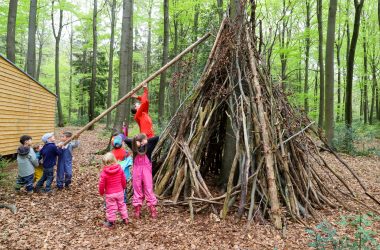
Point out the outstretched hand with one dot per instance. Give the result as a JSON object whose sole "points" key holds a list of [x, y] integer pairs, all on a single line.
{"points": [[145, 85], [134, 96]]}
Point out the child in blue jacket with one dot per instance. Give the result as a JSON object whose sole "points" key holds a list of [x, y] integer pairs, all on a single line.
{"points": [[65, 161], [49, 153]]}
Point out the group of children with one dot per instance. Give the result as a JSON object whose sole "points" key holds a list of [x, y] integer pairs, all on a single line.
{"points": [[36, 163], [118, 165]]}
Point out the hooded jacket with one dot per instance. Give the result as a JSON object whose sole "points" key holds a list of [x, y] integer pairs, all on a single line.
{"points": [[112, 180], [49, 154], [26, 161]]}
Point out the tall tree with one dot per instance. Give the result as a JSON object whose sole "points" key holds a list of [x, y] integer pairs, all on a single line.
{"points": [[307, 55], [41, 37], [31, 57], [165, 51], [11, 30], [126, 60], [321, 65], [110, 61], [71, 68], [57, 36], [149, 42], [91, 111], [338, 45], [350, 66], [365, 79], [329, 91]]}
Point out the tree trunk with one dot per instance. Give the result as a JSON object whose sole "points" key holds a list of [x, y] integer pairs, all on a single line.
{"points": [[31, 57], [57, 36], [71, 69], [91, 110], [149, 43], [161, 98], [307, 54], [365, 81], [126, 61], [350, 66], [374, 91], [11, 31], [329, 91], [220, 10], [41, 42], [338, 48], [110, 63], [321, 65]]}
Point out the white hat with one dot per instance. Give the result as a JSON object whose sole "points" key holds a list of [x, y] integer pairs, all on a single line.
{"points": [[46, 137]]}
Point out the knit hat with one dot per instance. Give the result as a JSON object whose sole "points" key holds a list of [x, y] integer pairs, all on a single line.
{"points": [[117, 141], [46, 137]]}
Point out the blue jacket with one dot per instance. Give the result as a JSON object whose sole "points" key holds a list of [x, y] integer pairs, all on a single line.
{"points": [[66, 158], [49, 154]]}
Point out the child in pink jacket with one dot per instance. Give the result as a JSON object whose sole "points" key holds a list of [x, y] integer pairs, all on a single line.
{"points": [[112, 183], [142, 180]]}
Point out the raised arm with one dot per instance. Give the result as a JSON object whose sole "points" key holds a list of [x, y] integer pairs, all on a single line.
{"points": [[144, 102]]}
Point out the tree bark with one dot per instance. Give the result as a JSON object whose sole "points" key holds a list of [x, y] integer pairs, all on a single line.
{"points": [[71, 69], [365, 81], [307, 54], [91, 111], [374, 91], [329, 91], [31, 57], [220, 10], [110, 62], [126, 61], [338, 45], [41, 42], [321, 65], [149, 43], [11, 31], [161, 97], [57, 36], [350, 65]]}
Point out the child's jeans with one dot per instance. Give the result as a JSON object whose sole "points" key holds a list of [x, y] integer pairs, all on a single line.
{"points": [[64, 175], [114, 203], [26, 181], [48, 176]]}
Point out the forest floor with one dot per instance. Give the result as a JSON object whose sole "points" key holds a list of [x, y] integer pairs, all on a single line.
{"points": [[71, 218]]}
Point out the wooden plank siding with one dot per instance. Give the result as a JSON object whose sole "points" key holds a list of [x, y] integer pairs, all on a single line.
{"points": [[26, 107]]}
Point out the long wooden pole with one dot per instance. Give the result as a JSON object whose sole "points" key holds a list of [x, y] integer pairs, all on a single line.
{"points": [[146, 81]]}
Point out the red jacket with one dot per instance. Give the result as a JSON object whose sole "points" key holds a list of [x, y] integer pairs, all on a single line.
{"points": [[142, 117], [120, 153], [112, 180]]}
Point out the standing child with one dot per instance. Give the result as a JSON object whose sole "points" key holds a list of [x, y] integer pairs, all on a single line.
{"points": [[39, 169], [112, 184], [26, 161], [65, 161], [49, 153], [142, 177]]}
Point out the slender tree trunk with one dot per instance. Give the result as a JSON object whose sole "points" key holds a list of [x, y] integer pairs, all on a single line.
{"points": [[161, 98], [321, 65], [307, 54], [374, 91], [338, 45], [126, 61], [149, 43], [110, 62], [365, 81], [91, 111], [220, 10], [31, 57], [57, 36], [11, 31], [350, 66], [329, 91], [41, 41], [71, 69], [253, 19]]}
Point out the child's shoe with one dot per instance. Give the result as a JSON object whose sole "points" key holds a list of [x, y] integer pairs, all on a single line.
{"points": [[153, 212], [137, 212], [126, 221], [108, 224]]}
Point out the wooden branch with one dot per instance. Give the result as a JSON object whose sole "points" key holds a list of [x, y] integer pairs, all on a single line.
{"points": [[299, 132], [139, 86]]}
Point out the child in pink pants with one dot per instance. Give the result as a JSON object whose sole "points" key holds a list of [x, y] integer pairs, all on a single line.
{"points": [[112, 183], [142, 180]]}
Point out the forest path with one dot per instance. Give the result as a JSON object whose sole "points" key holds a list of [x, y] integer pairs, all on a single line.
{"points": [[71, 218]]}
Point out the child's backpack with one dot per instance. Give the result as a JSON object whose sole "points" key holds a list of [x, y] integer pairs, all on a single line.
{"points": [[126, 164]]}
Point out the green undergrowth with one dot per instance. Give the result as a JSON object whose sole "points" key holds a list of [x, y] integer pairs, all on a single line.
{"points": [[351, 232]]}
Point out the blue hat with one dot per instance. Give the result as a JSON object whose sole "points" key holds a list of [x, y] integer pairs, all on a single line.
{"points": [[117, 141], [46, 137]]}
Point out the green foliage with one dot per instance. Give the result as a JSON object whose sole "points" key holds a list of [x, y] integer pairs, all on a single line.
{"points": [[3, 164], [326, 236]]}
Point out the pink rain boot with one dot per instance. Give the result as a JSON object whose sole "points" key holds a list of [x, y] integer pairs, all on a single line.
{"points": [[137, 212], [153, 212]]}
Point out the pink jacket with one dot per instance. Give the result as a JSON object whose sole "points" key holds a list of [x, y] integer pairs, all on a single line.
{"points": [[112, 180]]}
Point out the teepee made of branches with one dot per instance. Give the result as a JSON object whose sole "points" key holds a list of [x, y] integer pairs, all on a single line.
{"points": [[274, 168]]}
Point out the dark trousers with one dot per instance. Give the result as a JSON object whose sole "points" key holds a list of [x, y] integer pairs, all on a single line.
{"points": [[48, 176], [26, 181]]}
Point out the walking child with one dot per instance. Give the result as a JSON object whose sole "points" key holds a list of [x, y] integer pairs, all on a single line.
{"points": [[65, 161], [112, 184], [26, 161], [142, 179], [49, 153]]}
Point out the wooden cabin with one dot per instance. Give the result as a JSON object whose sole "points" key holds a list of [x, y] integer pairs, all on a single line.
{"points": [[26, 107]]}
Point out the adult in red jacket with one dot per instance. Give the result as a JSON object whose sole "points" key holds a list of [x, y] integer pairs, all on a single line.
{"points": [[141, 112]]}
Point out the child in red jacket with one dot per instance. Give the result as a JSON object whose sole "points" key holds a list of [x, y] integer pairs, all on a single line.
{"points": [[112, 184]]}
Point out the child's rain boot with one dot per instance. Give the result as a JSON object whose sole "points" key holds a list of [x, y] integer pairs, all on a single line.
{"points": [[137, 212], [126, 221], [108, 224], [153, 212]]}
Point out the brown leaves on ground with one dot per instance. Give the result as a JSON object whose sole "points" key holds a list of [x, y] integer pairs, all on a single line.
{"points": [[72, 218]]}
